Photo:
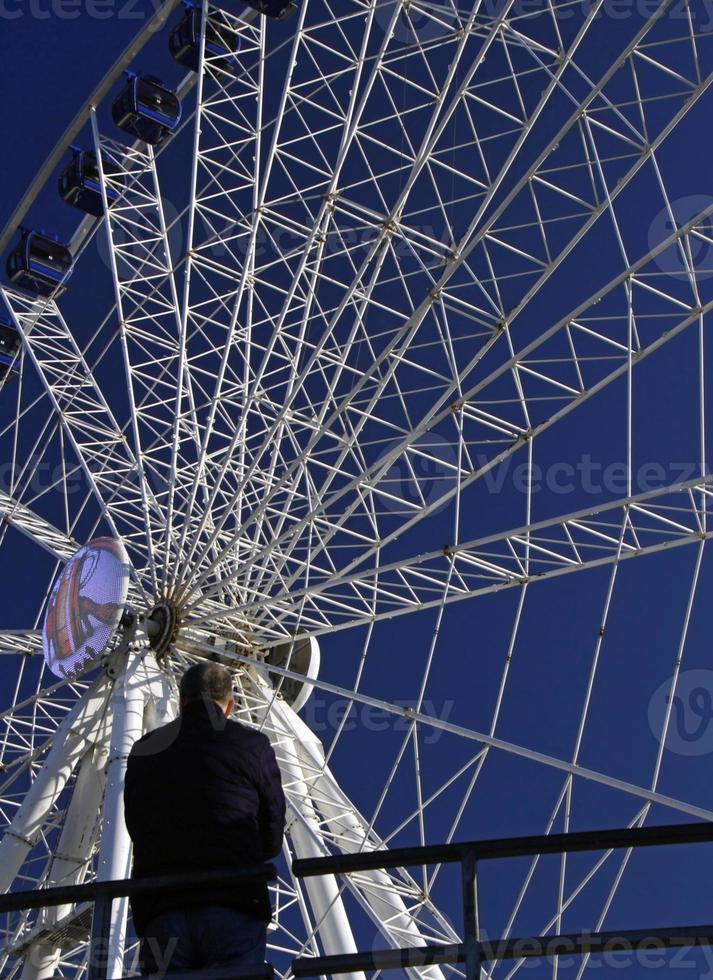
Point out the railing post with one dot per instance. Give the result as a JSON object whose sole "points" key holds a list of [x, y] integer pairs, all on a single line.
{"points": [[471, 924], [99, 945]]}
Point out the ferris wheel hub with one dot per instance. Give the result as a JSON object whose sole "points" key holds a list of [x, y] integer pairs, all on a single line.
{"points": [[162, 626]]}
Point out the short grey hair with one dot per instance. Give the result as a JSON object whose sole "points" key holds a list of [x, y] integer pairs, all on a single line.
{"points": [[206, 681]]}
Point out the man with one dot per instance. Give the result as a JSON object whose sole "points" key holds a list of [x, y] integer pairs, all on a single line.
{"points": [[203, 793]]}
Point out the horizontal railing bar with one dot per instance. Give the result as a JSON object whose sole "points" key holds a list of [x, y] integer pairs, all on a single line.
{"points": [[70, 894], [382, 959], [482, 850], [573, 944], [254, 972], [539, 946]]}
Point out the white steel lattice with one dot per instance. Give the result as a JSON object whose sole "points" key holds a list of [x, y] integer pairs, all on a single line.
{"points": [[394, 249]]}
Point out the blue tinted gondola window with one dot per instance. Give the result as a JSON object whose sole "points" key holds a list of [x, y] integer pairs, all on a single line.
{"points": [[90, 173], [40, 264], [157, 100], [222, 42], [49, 254], [10, 346]]}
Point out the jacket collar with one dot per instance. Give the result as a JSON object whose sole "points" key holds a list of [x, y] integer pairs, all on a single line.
{"points": [[204, 710]]}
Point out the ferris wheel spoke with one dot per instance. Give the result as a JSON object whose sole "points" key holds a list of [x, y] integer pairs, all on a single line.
{"points": [[149, 323], [20, 641], [629, 528], [107, 460], [227, 132], [59, 544], [573, 359], [40, 469], [424, 155], [196, 483], [447, 301]]}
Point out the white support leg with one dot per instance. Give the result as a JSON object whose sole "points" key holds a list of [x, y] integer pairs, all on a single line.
{"points": [[327, 906], [396, 922], [330, 917], [160, 700], [127, 719], [72, 856], [73, 737]]}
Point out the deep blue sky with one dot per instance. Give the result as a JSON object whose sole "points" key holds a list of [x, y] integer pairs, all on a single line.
{"points": [[48, 66]]}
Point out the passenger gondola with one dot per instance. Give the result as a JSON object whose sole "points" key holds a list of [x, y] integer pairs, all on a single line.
{"points": [[79, 184], [40, 263], [222, 43], [10, 349], [278, 9], [146, 109]]}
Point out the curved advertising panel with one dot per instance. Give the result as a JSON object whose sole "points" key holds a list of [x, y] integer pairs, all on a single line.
{"points": [[85, 607]]}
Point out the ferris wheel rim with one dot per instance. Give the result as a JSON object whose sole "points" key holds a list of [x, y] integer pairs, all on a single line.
{"points": [[155, 22]]}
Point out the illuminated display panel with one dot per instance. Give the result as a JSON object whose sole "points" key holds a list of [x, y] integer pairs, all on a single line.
{"points": [[85, 607]]}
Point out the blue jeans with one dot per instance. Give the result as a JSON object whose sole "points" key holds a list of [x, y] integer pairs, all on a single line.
{"points": [[192, 938]]}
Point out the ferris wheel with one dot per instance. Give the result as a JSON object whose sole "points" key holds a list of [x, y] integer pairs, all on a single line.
{"points": [[342, 310]]}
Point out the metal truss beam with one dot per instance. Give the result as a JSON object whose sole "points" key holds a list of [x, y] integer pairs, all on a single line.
{"points": [[621, 529], [402, 354], [564, 366], [18, 515], [107, 459]]}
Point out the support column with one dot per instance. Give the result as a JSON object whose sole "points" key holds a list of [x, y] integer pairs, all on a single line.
{"points": [[161, 702], [378, 889], [126, 708], [72, 855], [331, 920], [328, 909], [72, 739]]}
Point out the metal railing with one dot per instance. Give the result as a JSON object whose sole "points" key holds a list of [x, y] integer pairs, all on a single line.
{"points": [[102, 894], [473, 951]]}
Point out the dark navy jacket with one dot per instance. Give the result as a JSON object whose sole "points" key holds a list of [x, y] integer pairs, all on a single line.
{"points": [[203, 793]]}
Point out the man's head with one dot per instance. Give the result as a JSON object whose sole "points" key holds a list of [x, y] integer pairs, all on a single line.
{"points": [[208, 681]]}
